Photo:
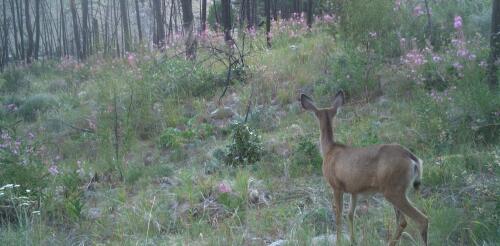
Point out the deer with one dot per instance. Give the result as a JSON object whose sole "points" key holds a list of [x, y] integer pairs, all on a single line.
{"points": [[389, 169]]}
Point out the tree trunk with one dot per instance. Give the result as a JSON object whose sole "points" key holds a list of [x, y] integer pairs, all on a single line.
{"points": [[249, 12], [160, 31], [21, 26], [138, 17], [494, 45], [37, 28], [125, 26], [309, 13], [14, 25], [64, 38], [188, 22], [85, 28], [267, 7], [226, 19], [203, 15], [5, 35], [29, 52], [76, 34]]}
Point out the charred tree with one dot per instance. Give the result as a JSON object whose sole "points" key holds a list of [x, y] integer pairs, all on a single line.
{"points": [[203, 15], [309, 13], [226, 19], [138, 19], [37, 28], [29, 30], [188, 23], [76, 34], [159, 37], [494, 45], [125, 26], [267, 8], [85, 28]]}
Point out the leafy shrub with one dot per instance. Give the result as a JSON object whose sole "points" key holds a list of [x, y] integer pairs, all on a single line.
{"points": [[245, 146], [171, 138], [306, 157], [37, 103], [73, 195], [13, 80]]}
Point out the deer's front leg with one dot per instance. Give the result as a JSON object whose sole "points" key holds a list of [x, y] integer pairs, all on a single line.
{"points": [[338, 202]]}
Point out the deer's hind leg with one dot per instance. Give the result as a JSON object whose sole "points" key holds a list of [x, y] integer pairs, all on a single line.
{"points": [[400, 201], [401, 225]]}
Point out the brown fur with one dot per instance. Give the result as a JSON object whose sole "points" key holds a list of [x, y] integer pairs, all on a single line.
{"points": [[389, 169]]}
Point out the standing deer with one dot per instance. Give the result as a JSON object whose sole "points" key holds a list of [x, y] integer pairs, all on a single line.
{"points": [[389, 169]]}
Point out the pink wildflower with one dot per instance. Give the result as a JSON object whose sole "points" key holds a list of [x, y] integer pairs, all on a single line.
{"points": [[418, 11], [224, 188], [53, 170], [131, 59], [457, 22]]}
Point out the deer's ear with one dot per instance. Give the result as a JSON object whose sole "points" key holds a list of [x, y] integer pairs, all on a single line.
{"points": [[307, 103], [339, 99]]}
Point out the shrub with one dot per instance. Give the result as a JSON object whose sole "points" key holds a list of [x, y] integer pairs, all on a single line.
{"points": [[245, 146], [171, 138], [37, 103], [73, 195], [306, 157], [13, 81]]}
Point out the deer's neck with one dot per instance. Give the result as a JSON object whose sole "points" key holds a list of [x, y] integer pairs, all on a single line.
{"points": [[326, 136]]}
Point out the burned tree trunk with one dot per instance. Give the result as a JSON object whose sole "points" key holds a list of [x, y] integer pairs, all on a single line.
{"points": [[309, 13], [125, 26], [203, 15], [159, 37], [85, 28], [494, 45], [188, 22], [76, 34], [29, 30], [267, 8], [138, 17], [37, 28], [226, 19]]}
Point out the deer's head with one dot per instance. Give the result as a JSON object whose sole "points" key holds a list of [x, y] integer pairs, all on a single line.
{"points": [[324, 115]]}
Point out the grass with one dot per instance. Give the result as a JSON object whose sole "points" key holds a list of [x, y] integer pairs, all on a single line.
{"points": [[173, 197]]}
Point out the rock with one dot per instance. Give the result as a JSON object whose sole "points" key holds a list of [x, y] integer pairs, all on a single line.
{"points": [[222, 113], [280, 242], [326, 239], [253, 196], [94, 213], [148, 158], [166, 182], [296, 130]]}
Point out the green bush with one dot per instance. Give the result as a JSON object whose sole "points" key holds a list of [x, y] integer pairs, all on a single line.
{"points": [[73, 201], [171, 138], [306, 157], [13, 81], [37, 103], [245, 146]]}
